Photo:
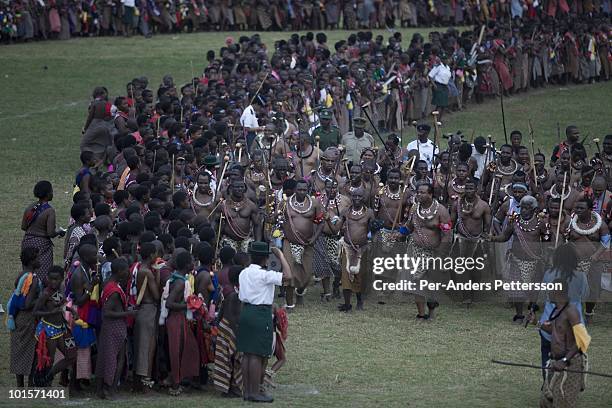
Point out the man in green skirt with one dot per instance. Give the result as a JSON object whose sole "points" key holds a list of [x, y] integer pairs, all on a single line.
{"points": [[255, 329]]}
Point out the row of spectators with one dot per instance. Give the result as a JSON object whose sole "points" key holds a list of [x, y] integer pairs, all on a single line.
{"points": [[25, 20]]}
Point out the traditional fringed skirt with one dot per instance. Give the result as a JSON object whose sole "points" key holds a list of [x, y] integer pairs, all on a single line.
{"points": [[182, 348], [98, 137], [425, 271], [300, 259], [519, 270], [385, 245], [23, 343], [325, 262], [110, 343], [45, 253], [352, 266], [263, 16], [145, 334], [561, 388], [228, 373], [238, 246]]}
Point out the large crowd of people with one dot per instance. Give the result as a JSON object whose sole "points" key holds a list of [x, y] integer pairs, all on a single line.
{"points": [[190, 196], [24, 20]]}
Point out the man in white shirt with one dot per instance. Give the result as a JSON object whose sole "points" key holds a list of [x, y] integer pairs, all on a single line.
{"points": [[249, 122], [128, 16], [479, 154], [255, 329], [440, 75], [423, 145]]}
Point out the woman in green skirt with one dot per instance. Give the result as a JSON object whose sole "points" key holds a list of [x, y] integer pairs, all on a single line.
{"points": [[440, 75]]}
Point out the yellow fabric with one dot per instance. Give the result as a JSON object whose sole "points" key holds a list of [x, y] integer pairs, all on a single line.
{"points": [[81, 323], [583, 339], [95, 293], [329, 101], [191, 280], [592, 50], [123, 179]]}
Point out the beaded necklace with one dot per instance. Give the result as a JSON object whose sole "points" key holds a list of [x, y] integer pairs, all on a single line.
{"points": [[293, 203], [588, 231]]}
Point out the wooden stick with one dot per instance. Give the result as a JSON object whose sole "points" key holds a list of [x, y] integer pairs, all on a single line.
{"points": [[226, 160], [535, 174], [549, 368], [172, 178], [436, 133], [154, 160], [501, 101], [215, 208], [491, 192], [259, 89], [560, 209], [219, 234], [487, 153], [399, 209], [142, 290], [348, 173], [340, 157], [195, 90], [317, 141], [239, 146]]}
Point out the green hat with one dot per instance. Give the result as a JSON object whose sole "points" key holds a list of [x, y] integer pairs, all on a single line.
{"points": [[326, 114], [211, 160], [259, 248], [359, 123]]}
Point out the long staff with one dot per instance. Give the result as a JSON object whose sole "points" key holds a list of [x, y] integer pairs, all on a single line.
{"points": [[535, 174], [396, 219], [172, 178], [502, 112], [436, 133], [226, 160], [560, 209], [259, 89], [363, 108], [508, 363]]}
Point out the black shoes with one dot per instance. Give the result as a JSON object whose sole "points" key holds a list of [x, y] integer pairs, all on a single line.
{"points": [[345, 308], [260, 398]]}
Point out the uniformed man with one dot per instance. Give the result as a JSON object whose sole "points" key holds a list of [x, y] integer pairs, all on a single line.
{"points": [[255, 333], [356, 141], [329, 135], [423, 145]]}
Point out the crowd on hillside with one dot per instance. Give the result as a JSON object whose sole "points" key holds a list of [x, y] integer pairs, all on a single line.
{"points": [[24, 20]]}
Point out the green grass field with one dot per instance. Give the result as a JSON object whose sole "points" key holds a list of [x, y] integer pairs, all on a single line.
{"points": [[377, 357]]}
